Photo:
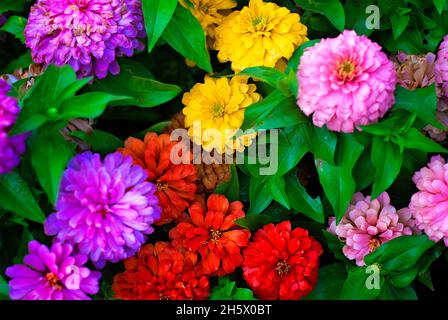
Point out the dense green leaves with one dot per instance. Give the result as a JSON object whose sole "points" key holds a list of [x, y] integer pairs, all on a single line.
{"points": [[330, 282], [157, 14], [184, 33], [16, 196], [15, 25], [332, 9], [100, 141], [227, 290], [355, 287]]}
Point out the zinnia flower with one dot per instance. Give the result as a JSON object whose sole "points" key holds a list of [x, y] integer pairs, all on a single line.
{"points": [[369, 223], [261, 34], [346, 82], [10, 147], [161, 272], [415, 71], [52, 274], [176, 183], [441, 69], [214, 112], [210, 14], [105, 207], [429, 206], [280, 263], [88, 35], [211, 230]]}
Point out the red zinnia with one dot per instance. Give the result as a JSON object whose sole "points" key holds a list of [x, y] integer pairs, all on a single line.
{"points": [[211, 231], [176, 183], [162, 272], [280, 263]]}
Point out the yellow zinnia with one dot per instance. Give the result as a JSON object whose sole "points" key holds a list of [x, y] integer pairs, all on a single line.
{"points": [[209, 14], [214, 111], [261, 34]]}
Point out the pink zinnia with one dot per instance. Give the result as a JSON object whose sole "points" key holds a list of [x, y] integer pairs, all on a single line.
{"points": [[429, 206], [346, 82], [441, 68], [369, 223], [88, 35]]}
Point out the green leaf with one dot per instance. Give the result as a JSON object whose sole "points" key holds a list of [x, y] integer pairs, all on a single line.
{"points": [[404, 278], [330, 282], [399, 24], [256, 114], [157, 14], [185, 34], [253, 221], [27, 236], [277, 189], [42, 102], [260, 195], [227, 290], [440, 5], [301, 201], [321, 142], [285, 114], [355, 287], [387, 160], [50, 154], [269, 75], [16, 196], [335, 245], [332, 9], [16, 26], [88, 105], [21, 62], [231, 188], [337, 181], [142, 90], [4, 288], [100, 141], [389, 292], [400, 253], [422, 102], [294, 61], [291, 149], [414, 139]]}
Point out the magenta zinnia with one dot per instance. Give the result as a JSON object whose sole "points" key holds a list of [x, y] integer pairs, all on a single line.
{"points": [[346, 82], [441, 68], [52, 274], [105, 207], [88, 35], [10, 147], [429, 205]]}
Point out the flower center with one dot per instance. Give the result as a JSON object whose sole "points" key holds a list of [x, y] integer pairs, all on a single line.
{"points": [[374, 243], [259, 23], [163, 297], [82, 4], [203, 8], [346, 70], [282, 268], [215, 235], [218, 111], [161, 185], [54, 281]]}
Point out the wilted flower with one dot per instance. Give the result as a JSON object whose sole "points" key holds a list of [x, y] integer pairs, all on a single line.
{"points": [[415, 71], [346, 82], [369, 223], [88, 35], [162, 272], [429, 205], [212, 232], [105, 208], [261, 34], [280, 263], [55, 274]]}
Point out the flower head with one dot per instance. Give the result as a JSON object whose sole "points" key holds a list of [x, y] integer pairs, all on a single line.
{"points": [[212, 232], [214, 112], [52, 274], [210, 14], [369, 223], [105, 207], [88, 35], [162, 272], [346, 82], [415, 71], [429, 205], [261, 34], [441, 68], [280, 263], [176, 183], [10, 147]]}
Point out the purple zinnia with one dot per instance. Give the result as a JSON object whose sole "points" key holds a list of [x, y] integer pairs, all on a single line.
{"points": [[54, 274], [104, 207], [86, 34], [10, 147], [441, 68]]}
